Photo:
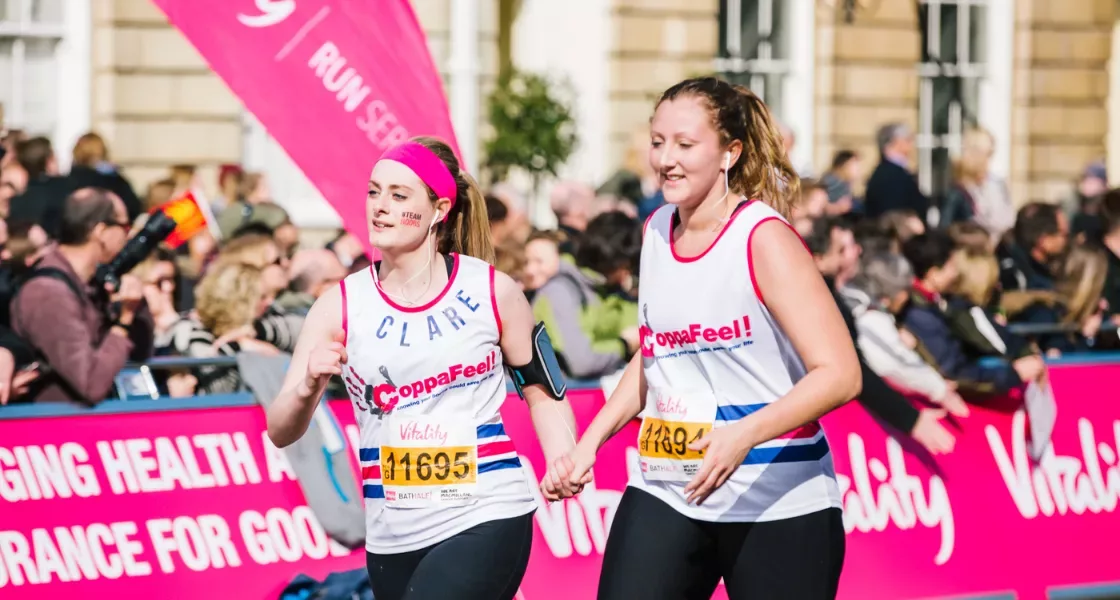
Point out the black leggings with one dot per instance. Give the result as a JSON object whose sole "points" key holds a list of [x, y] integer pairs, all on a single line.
{"points": [[485, 562], [656, 553]]}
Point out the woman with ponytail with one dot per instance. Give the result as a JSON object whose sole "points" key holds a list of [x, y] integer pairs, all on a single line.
{"points": [[421, 340], [742, 350]]}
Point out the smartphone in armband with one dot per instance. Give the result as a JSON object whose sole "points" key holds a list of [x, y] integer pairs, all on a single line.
{"points": [[544, 369]]}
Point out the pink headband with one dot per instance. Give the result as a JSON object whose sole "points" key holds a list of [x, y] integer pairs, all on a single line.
{"points": [[427, 166]]}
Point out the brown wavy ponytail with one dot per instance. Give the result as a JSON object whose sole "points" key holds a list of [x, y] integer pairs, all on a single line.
{"points": [[763, 170], [467, 229]]}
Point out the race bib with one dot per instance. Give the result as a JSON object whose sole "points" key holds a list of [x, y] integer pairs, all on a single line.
{"points": [[429, 461], [672, 421]]}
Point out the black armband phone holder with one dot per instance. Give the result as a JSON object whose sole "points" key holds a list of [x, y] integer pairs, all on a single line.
{"points": [[543, 370]]}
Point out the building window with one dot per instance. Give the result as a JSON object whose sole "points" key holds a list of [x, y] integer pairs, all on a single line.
{"points": [[952, 71], [31, 32], [754, 47]]}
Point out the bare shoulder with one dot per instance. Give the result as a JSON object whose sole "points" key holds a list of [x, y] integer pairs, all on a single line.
{"points": [[773, 231], [505, 288]]}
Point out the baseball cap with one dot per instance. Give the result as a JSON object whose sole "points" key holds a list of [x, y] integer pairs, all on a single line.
{"points": [[241, 214]]}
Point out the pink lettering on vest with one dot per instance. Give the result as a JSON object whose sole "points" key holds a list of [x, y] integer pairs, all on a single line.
{"points": [[415, 432]]}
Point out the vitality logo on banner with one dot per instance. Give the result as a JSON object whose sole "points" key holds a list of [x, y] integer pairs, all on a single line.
{"points": [[272, 12], [335, 82]]}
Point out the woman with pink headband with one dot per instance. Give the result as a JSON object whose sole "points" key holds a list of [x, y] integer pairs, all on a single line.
{"points": [[421, 339]]}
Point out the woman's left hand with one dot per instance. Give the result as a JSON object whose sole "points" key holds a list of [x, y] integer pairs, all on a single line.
{"points": [[1091, 326], [724, 450], [241, 335]]}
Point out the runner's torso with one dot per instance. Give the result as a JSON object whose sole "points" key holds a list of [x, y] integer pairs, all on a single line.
{"points": [[712, 353], [439, 462]]}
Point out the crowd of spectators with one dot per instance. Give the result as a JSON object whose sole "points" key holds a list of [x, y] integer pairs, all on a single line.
{"points": [[243, 286], [953, 300]]}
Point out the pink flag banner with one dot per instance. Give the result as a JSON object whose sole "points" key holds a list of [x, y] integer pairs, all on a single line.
{"points": [[335, 82]]}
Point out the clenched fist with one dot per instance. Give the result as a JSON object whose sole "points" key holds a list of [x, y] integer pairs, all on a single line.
{"points": [[325, 361]]}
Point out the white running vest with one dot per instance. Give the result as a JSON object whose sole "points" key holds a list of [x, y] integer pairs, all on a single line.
{"points": [[439, 462], [712, 354]]}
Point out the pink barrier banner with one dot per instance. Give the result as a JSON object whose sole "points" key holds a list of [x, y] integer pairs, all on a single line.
{"points": [[177, 504], [197, 504], [985, 519], [336, 82]]}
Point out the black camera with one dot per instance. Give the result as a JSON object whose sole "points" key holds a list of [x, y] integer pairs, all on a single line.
{"points": [[158, 227]]}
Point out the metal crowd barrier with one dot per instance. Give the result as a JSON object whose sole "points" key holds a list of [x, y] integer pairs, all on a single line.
{"points": [[1030, 329], [244, 398]]}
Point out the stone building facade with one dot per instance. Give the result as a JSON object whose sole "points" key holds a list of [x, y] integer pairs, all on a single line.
{"points": [[1034, 72]]}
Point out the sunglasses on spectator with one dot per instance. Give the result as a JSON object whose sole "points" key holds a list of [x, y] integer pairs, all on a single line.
{"points": [[114, 223]]}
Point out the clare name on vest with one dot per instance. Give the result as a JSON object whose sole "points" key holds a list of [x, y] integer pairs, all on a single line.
{"points": [[437, 322]]}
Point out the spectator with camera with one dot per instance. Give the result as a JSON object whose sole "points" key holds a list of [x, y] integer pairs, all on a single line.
{"points": [[85, 331]]}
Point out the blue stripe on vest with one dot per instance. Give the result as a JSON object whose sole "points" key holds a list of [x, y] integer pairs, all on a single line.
{"points": [[373, 491], [788, 454], [734, 412], [368, 454], [491, 430], [505, 463]]}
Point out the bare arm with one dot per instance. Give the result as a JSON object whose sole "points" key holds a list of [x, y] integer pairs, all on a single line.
{"points": [[291, 413], [568, 474], [625, 403], [802, 304], [554, 421], [806, 311]]}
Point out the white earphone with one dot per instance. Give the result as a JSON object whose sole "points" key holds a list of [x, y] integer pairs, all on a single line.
{"points": [[726, 187], [406, 300]]}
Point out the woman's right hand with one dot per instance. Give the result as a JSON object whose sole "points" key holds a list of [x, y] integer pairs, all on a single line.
{"points": [[956, 405], [1029, 368], [567, 475], [1092, 325], [931, 434], [324, 361]]}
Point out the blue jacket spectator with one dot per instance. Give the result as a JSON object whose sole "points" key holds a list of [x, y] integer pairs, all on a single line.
{"points": [[928, 319]]}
